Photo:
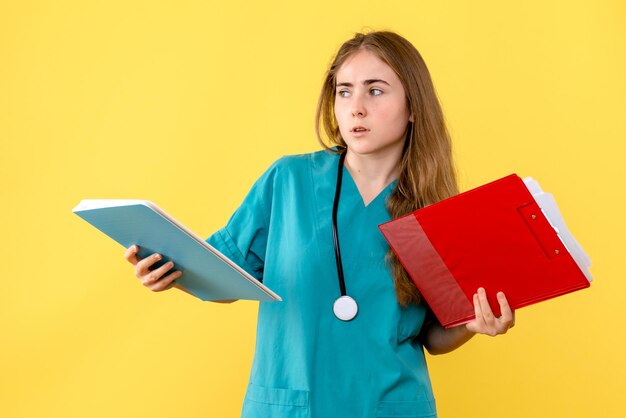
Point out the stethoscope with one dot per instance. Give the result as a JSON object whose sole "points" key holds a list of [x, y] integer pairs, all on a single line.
{"points": [[345, 307]]}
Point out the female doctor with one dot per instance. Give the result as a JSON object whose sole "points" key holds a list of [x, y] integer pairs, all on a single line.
{"points": [[347, 340]]}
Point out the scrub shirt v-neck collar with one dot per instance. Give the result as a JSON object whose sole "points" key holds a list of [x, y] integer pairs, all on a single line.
{"points": [[348, 182]]}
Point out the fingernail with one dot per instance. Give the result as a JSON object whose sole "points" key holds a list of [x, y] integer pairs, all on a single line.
{"points": [[157, 256]]}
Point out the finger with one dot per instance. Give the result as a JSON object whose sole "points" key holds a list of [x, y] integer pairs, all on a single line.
{"points": [[157, 274], [166, 282], [131, 255], [143, 266], [477, 311], [485, 308], [506, 318], [477, 324]]}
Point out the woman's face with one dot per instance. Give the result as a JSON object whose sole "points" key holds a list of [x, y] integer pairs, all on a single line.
{"points": [[370, 105]]}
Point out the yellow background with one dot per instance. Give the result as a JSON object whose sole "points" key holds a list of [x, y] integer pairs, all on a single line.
{"points": [[186, 103]]}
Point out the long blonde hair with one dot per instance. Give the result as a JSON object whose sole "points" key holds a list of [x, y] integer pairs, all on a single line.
{"points": [[427, 172]]}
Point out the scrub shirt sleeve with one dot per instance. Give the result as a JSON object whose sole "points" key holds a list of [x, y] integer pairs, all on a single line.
{"points": [[244, 238]]}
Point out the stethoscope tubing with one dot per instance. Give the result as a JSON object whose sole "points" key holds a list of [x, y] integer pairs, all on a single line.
{"points": [[342, 283]]}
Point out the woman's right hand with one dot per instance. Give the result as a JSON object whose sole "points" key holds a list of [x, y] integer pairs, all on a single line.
{"points": [[155, 280]]}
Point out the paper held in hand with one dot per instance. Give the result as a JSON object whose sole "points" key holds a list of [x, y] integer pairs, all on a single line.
{"points": [[507, 235], [207, 273]]}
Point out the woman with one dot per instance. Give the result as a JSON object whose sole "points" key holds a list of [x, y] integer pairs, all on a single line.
{"points": [[319, 354]]}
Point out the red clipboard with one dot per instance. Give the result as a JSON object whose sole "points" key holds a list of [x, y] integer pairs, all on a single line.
{"points": [[496, 237]]}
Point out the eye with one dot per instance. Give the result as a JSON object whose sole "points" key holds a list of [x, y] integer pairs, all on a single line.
{"points": [[376, 92], [343, 93]]}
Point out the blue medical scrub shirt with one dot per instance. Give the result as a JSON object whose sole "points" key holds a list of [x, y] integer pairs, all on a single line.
{"points": [[307, 362]]}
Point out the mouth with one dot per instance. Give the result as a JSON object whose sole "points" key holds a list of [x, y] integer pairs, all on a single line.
{"points": [[357, 129]]}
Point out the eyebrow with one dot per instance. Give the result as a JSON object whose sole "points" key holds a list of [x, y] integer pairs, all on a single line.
{"points": [[365, 83]]}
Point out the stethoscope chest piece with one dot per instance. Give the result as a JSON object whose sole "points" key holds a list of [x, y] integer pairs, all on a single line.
{"points": [[345, 308]]}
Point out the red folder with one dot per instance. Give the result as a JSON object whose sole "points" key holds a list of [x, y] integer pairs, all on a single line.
{"points": [[495, 236]]}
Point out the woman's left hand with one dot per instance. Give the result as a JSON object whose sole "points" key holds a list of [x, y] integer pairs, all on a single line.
{"points": [[486, 322]]}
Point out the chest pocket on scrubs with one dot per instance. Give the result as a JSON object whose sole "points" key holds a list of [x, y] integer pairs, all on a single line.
{"points": [[406, 409], [263, 402]]}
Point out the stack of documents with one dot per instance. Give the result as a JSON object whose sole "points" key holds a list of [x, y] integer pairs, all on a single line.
{"points": [[551, 211], [207, 273], [507, 235]]}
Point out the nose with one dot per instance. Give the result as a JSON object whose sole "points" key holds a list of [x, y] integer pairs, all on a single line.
{"points": [[358, 106]]}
